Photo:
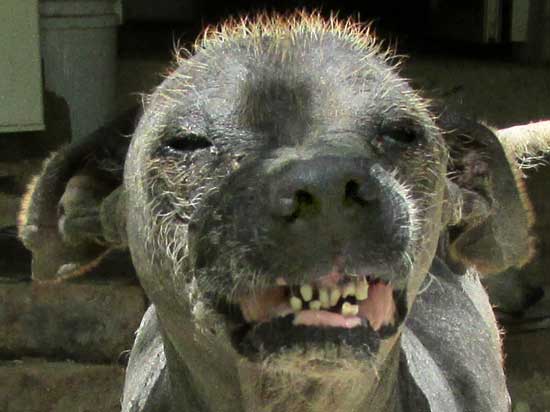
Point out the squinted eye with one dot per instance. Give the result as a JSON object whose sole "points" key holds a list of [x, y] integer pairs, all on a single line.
{"points": [[402, 136], [394, 138], [186, 143]]}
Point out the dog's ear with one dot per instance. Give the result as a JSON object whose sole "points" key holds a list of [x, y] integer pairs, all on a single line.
{"points": [[73, 212], [490, 219], [528, 144]]}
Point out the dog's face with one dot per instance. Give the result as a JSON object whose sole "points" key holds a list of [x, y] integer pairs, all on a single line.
{"points": [[285, 202]]}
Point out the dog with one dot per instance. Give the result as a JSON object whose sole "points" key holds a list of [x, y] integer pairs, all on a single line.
{"points": [[311, 232]]}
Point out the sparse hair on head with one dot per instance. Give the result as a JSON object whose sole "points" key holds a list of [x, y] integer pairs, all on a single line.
{"points": [[283, 27]]}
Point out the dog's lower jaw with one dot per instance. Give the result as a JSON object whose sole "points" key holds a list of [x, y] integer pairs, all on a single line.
{"points": [[296, 381]]}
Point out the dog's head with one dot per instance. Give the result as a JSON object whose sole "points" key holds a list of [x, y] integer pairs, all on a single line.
{"points": [[285, 193]]}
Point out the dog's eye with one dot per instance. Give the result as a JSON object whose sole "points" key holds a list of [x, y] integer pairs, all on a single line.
{"points": [[186, 143], [401, 136], [395, 138]]}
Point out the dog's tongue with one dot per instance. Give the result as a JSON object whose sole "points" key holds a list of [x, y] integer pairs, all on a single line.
{"points": [[322, 318]]}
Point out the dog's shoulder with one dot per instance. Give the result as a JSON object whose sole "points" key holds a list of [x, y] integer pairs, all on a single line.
{"points": [[146, 388], [450, 357]]}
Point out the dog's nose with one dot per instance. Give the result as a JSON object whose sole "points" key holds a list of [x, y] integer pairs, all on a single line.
{"points": [[326, 186]]}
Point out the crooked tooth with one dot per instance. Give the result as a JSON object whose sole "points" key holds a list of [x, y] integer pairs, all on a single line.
{"points": [[307, 292], [362, 289], [315, 305], [349, 310], [295, 303], [334, 296], [349, 290], [324, 299]]}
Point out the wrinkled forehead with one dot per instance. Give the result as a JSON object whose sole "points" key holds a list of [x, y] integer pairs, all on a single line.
{"points": [[291, 87]]}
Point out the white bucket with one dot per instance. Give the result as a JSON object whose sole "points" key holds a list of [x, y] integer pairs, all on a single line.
{"points": [[79, 52]]}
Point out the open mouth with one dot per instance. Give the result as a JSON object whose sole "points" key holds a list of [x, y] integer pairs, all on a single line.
{"points": [[334, 309]]}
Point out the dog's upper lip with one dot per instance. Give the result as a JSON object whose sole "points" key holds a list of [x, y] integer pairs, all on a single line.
{"points": [[333, 300]]}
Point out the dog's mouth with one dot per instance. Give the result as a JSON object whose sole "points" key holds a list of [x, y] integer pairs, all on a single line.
{"points": [[338, 306], [335, 309]]}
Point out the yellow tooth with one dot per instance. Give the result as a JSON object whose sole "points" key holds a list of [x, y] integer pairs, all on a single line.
{"points": [[295, 303], [349, 290], [334, 296], [315, 305], [323, 297], [307, 292], [349, 310], [362, 289], [280, 281]]}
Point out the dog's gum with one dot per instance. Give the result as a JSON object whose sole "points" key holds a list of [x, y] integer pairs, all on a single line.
{"points": [[380, 307], [263, 304]]}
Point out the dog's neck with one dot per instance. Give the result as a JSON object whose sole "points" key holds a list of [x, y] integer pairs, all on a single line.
{"points": [[261, 388]]}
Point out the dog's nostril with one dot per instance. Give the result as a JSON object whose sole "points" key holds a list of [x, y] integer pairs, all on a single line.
{"points": [[354, 194], [299, 205], [303, 198]]}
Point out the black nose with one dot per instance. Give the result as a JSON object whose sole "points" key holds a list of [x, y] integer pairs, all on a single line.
{"points": [[324, 186]]}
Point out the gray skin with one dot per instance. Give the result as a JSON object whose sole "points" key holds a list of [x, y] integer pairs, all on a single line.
{"points": [[288, 154]]}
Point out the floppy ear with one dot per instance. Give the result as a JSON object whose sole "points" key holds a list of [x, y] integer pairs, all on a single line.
{"points": [[72, 215], [513, 292], [491, 218], [529, 144]]}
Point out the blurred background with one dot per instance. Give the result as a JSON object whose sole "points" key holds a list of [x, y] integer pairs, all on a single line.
{"points": [[70, 66]]}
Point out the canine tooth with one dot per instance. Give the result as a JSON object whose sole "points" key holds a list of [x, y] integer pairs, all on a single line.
{"points": [[334, 296], [324, 299], [315, 305], [307, 292], [349, 310], [349, 290], [362, 289], [295, 303]]}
